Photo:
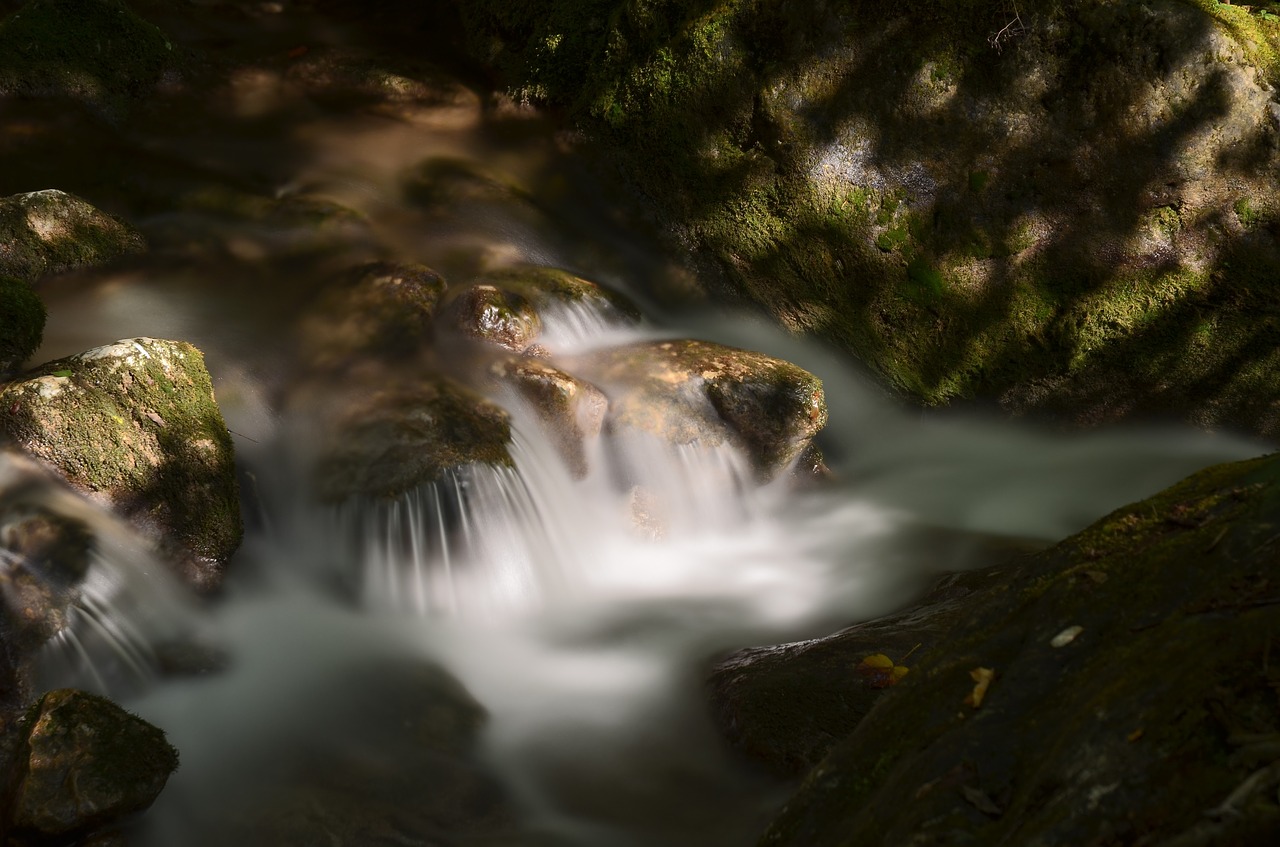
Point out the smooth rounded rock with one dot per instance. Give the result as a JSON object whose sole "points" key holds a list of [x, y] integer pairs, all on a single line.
{"points": [[46, 232]]}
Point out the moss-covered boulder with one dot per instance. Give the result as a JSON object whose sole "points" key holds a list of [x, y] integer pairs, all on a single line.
{"points": [[383, 309], [1065, 207], [135, 424], [22, 317], [1118, 687], [570, 410], [85, 763], [388, 434], [48, 232], [552, 289], [96, 51], [695, 391]]}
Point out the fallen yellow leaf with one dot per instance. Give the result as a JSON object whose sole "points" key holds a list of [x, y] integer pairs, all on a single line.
{"points": [[981, 682], [880, 671]]}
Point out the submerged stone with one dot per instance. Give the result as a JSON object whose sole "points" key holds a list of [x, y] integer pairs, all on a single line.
{"points": [[135, 424], [46, 232], [86, 763], [96, 51], [387, 436], [1061, 698], [381, 308], [686, 391], [22, 318]]}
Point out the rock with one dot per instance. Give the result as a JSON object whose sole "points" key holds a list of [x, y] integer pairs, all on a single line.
{"points": [[403, 767], [135, 425], [389, 434], [1135, 649], [87, 763], [686, 391], [572, 411], [251, 227], [1067, 209], [96, 51], [548, 288], [786, 706], [46, 555], [22, 317], [489, 314], [47, 232], [380, 308]]}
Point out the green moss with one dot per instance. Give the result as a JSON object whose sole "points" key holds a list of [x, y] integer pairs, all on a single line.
{"points": [[94, 50], [22, 316]]}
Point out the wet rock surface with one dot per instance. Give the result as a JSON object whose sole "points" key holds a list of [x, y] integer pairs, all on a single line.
{"points": [[135, 424], [388, 436], [491, 315], [572, 410], [1064, 694], [686, 391], [46, 232], [548, 288], [85, 763], [22, 316]]}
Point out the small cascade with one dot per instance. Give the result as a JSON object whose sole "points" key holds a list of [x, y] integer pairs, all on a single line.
{"points": [[100, 609], [576, 325]]}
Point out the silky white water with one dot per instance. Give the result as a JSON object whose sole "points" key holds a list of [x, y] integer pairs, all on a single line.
{"points": [[581, 613]]}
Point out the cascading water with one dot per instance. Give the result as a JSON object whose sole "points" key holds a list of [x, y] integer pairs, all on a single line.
{"points": [[580, 610]]}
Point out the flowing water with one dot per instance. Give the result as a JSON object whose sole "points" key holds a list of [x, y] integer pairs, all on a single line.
{"points": [[585, 640]]}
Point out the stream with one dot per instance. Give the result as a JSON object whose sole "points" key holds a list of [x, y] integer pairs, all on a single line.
{"points": [[584, 642]]}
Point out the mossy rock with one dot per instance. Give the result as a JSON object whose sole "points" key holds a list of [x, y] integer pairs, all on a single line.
{"points": [[86, 763], [135, 424], [695, 391], [47, 232], [569, 409], [548, 288], [382, 309], [490, 315], [1135, 649], [1015, 206], [96, 51], [383, 436], [22, 316]]}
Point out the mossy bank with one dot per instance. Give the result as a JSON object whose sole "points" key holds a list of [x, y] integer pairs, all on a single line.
{"points": [[1068, 208]]}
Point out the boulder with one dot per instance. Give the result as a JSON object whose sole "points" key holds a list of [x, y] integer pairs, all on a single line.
{"points": [[570, 410], [380, 308], [1065, 694], [548, 288], [1067, 208], [96, 51], [47, 232], [387, 434], [686, 391], [86, 763], [22, 317], [134, 424]]}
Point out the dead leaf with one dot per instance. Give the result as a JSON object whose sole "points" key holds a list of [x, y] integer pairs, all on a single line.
{"points": [[982, 681], [980, 801], [880, 671]]}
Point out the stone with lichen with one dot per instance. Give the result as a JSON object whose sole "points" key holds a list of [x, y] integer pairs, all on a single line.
{"points": [[47, 232], [135, 424], [86, 763]]}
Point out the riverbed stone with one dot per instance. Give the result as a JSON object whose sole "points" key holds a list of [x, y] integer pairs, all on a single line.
{"points": [[548, 287], [86, 763], [22, 318], [99, 52], [135, 425], [51, 231], [380, 308], [491, 315], [571, 410], [1056, 707], [389, 433], [689, 391]]}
